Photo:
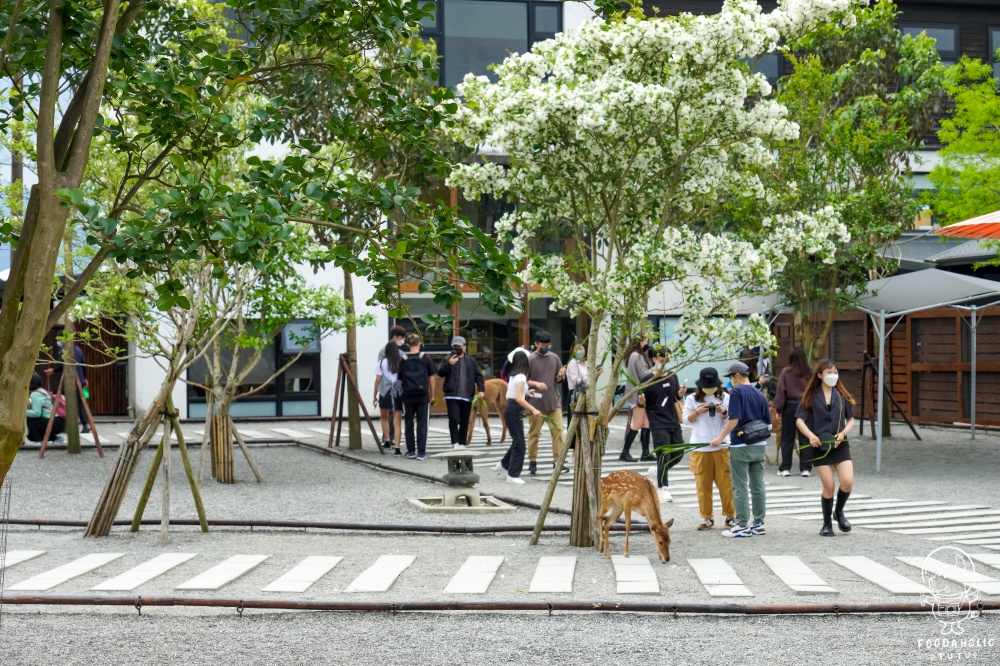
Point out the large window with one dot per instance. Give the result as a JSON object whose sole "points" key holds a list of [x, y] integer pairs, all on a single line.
{"points": [[945, 38], [471, 35], [994, 47]]}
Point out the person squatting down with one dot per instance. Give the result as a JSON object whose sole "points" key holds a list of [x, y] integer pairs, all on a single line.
{"points": [[660, 399], [40, 406], [748, 428], [707, 411], [463, 381], [518, 390], [545, 369], [825, 416]]}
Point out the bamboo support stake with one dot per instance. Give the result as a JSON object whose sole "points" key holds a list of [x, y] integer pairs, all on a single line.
{"points": [[90, 417], [147, 489], [246, 452], [52, 417], [188, 470], [165, 504], [125, 464], [203, 454], [574, 425]]}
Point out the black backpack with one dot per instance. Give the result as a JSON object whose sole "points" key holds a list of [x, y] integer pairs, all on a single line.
{"points": [[413, 377]]}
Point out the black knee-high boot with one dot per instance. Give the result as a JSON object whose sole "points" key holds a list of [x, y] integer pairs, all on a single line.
{"points": [[839, 513], [827, 529], [629, 438], [644, 439]]}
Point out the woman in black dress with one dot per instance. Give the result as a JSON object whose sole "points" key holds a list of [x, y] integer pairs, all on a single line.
{"points": [[825, 416]]}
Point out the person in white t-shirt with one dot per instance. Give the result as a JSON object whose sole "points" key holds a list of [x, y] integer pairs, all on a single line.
{"points": [[387, 395], [518, 389], [706, 410]]}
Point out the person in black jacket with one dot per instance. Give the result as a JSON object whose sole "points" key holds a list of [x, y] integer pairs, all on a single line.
{"points": [[462, 382], [660, 400]]}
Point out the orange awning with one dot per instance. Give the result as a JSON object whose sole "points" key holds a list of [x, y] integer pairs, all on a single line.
{"points": [[984, 226]]}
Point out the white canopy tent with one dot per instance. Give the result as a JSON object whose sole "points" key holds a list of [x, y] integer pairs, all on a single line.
{"points": [[905, 294]]}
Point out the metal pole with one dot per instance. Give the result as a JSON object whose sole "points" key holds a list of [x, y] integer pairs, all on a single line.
{"points": [[881, 389], [972, 406]]}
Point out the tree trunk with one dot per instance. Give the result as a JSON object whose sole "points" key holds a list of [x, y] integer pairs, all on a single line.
{"points": [[23, 325], [70, 390], [221, 440], [125, 464], [353, 412]]}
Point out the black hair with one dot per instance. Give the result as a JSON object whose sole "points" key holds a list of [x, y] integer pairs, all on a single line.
{"points": [[397, 331], [542, 336], [519, 365], [392, 357], [799, 363], [36, 382]]}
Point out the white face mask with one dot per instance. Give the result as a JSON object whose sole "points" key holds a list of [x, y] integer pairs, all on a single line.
{"points": [[831, 380]]}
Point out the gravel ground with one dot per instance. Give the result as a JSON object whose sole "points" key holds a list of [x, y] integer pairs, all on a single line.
{"points": [[305, 485], [485, 638]]}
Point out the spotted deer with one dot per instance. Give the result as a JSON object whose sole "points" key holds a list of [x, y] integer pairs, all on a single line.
{"points": [[496, 399], [626, 491]]}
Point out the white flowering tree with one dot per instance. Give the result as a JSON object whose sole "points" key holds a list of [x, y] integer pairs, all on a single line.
{"points": [[624, 136]]}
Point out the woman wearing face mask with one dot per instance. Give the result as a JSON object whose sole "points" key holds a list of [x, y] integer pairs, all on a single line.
{"points": [[638, 366], [576, 374], [825, 416], [707, 410]]}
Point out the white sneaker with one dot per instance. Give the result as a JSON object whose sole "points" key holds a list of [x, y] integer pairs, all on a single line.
{"points": [[456, 446], [807, 473], [784, 472], [665, 495], [515, 480], [500, 467]]}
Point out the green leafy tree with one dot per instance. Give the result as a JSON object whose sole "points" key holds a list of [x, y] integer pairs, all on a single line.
{"points": [[967, 180], [864, 96], [153, 78]]}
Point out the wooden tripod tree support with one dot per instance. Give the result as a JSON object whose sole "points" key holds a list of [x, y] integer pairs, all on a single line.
{"points": [[221, 434], [584, 524], [162, 459], [871, 366], [345, 378], [86, 410]]}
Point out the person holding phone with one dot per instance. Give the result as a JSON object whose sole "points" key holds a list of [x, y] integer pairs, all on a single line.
{"points": [[463, 381], [825, 416], [660, 400], [706, 410]]}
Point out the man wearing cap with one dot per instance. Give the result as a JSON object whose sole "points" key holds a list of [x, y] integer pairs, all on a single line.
{"points": [[546, 368], [462, 382], [746, 460]]}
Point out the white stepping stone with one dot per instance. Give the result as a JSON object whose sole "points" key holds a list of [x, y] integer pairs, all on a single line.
{"points": [[145, 572], [554, 574], [294, 434], [794, 573], [321, 431], [989, 560], [989, 527], [224, 572], [719, 579], [970, 534], [49, 579], [87, 437], [17, 556], [249, 434], [475, 575], [866, 508], [881, 575], [301, 577], [984, 541], [443, 431], [635, 575], [967, 577], [949, 518], [380, 576]]}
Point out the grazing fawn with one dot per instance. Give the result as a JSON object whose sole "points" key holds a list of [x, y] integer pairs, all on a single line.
{"points": [[626, 491], [496, 398]]}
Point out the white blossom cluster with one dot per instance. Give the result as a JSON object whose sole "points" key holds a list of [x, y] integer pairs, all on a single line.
{"points": [[631, 133]]}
